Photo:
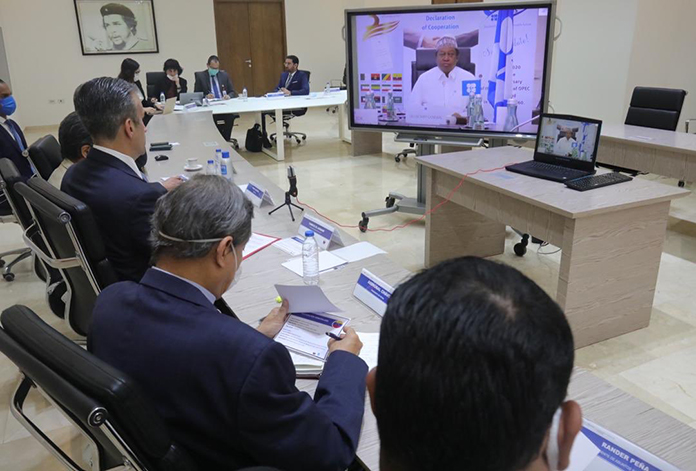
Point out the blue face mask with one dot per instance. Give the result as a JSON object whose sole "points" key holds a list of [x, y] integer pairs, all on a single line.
{"points": [[213, 72], [8, 105]]}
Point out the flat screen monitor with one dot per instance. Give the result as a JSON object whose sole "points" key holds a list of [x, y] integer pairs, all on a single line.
{"points": [[477, 70]]}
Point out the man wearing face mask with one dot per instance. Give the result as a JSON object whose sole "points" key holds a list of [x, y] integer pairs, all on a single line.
{"points": [[474, 365], [226, 389], [13, 145], [109, 180], [216, 84]]}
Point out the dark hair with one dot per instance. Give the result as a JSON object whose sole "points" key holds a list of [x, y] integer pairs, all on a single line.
{"points": [[295, 60], [213, 58], [474, 360], [103, 104], [72, 135], [1, 81], [173, 64], [125, 12], [128, 68]]}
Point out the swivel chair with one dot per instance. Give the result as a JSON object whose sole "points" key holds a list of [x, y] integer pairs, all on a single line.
{"points": [[45, 155], [152, 79], [9, 214], [289, 115]]}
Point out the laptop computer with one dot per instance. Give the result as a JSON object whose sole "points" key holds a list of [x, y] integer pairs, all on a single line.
{"points": [[195, 97], [169, 106], [566, 148]]}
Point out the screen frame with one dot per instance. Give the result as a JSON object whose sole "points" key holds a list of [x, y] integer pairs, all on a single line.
{"points": [[353, 84], [567, 161]]}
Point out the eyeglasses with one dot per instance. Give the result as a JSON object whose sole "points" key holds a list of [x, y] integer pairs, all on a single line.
{"points": [[447, 54]]}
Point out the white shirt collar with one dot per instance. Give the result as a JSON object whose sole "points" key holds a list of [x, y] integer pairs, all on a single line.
{"points": [[123, 158], [3, 120], [208, 295], [452, 75]]}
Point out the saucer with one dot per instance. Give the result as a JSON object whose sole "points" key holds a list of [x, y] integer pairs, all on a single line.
{"points": [[195, 168]]}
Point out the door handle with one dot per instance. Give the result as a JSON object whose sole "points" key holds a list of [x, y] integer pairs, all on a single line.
{"points": [[248, 61]]}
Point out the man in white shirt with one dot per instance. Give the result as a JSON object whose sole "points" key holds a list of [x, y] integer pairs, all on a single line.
{"points": [[564, 146], [439, 90]]}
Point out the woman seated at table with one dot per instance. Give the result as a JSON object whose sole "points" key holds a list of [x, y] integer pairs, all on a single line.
{"points": [[130, 72], [172, 84]]}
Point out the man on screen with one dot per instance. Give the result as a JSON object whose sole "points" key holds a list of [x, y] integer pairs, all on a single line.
{"points": [[440, 89], [566, 139]]}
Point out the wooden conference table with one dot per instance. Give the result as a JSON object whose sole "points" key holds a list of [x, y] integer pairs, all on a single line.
{"points": [[253, 297], [667, 153], [260, 105]]}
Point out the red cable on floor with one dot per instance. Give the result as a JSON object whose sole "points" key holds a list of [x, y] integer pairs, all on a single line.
{"points": [[401, 226]]}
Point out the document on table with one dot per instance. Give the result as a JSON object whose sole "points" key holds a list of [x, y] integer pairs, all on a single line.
{"points": [[358, 251], [257, 242], [290, 245], [305, 333], [306, 298], [243, 187], [306, 367], [370, 348], [327, 261]]}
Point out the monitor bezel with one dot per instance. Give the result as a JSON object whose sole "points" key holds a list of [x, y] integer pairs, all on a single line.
{"points": [[353, 84], [567, 161]]}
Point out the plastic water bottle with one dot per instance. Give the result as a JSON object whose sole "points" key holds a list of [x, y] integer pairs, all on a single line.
{"points": [[470, 109], [162, 98], [245, 95], [310, 259], [218, 160], [479, 120], [226, 166], [511, 121], [327, 88], [211, 170]]}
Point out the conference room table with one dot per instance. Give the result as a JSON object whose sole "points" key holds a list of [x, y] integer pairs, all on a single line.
{"points": [[260, 105], [667, 153], [254, 296]]}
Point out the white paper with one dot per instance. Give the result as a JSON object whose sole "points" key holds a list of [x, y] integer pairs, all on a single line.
{"points": [[370, 348], [582, 454], [303, 362], [306, 298], [305, 333], [243, 187], [291, 245], [256, 243], [327, 261], [359, 251]]}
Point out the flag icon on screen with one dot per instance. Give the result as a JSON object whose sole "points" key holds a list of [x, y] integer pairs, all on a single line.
{"points": [[386, 77], [374, 76], [362, 76], [386, 88], [398, 87], [397, 77], [376, 87], [398, 99], [364, 87]]}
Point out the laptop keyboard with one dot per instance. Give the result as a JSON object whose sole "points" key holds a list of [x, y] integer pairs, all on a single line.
{"points": [[542, 167]]}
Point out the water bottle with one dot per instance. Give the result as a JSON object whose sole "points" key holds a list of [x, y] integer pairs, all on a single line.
{"points": [[162, 98], [478, 113], [244, 94], [218, 160], [310, 259], [226, 166], [327, 88], [511, 121], [470, 109], [391, 112], [211, 170]]}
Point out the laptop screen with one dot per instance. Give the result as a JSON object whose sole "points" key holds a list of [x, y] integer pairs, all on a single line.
{"points": [[568, 137]]}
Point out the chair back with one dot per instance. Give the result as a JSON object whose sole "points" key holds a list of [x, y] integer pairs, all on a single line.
{"points": [[45, 155], [426, 59], [152, 78], [105, 404], [657, 108], [74, 247], [9, 177]]}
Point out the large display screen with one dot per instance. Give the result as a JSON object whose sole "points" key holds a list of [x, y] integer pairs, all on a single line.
{"points": [[462, 70]]}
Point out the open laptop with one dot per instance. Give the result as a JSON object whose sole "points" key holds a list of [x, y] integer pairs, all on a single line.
{"points": [[195, 97], [169, 105], [566, 148]]}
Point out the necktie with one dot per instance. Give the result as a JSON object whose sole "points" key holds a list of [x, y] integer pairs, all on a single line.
{"points": [[222, 306], [216, 88], [13, 129], [287, 82]]}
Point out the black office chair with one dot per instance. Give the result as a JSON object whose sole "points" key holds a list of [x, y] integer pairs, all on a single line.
{"points": [[45, 155], [106, 406], [7, 216], [74, 247], [289, 115], [153, 78], [657, 108]]}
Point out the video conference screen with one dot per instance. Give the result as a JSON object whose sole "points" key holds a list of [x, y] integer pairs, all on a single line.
{"points": [[474, 71], [568, 138]]}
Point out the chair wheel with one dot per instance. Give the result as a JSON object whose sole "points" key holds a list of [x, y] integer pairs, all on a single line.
{"points": [[397, 159], [8, 276], [520, 249], [2, 263], [304, 138], [298, 141], [362, 225], [681, 185], [390, 201]]}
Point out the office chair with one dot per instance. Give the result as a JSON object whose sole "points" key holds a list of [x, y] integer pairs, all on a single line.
{"points": [[153, 78], [8, 214], [45, 155], [107, 407], [426, 59], [72, 245], [292, 114]]}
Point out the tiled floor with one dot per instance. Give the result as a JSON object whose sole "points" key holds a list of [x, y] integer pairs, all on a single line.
{"points": [[655, 364]]}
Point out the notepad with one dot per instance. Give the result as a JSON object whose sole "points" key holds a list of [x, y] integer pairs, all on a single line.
{"points": [[357, 252], [305, 333], [327, 261]]}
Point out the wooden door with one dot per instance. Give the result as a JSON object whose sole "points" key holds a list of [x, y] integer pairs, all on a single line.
{"points": [[251, 42]]}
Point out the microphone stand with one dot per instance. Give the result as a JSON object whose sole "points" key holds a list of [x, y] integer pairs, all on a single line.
{"points": [[291, 192]]}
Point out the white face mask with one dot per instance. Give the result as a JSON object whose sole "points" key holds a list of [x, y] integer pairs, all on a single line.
{"points": [[136, 77], [237, 272], [552, 451], [173, 77]]}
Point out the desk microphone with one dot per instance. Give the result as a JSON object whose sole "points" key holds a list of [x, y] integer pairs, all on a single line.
{"points": [[293, 181], [291, 192]]}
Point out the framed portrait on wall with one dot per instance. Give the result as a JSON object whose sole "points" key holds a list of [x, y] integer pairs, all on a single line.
{"points": [[116, 27]]}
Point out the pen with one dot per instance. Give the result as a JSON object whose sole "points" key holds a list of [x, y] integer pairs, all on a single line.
{"points": [[333, 336]]}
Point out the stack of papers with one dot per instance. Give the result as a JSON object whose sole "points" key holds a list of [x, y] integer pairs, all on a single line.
{"points": [[327, 260], [257, 242], [307, 367], [356, 252]]}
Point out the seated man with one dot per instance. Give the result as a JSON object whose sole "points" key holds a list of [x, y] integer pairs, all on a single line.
{"points": [[13, 145], [439, 91], [566, 141], [75, 144], [293, 81], [226, 390], [216, 83], [108, 180], [474, 365]]}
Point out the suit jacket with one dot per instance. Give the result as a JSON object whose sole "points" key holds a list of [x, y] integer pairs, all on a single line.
{"points": [[9, 149], [226, 391], [299, 85], [166, 86], [122, 204], [203, 83]]}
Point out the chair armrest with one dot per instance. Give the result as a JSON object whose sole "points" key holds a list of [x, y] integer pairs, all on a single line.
{"points": [[58, 264]]}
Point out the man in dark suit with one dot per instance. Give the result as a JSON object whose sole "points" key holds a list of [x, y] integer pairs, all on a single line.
{"points": [[216, 84], [108, 180], [225, 389], [293, 81], [13, 145]]}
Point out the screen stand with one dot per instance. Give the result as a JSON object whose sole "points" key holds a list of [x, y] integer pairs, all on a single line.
{"points": [[398, 203]]}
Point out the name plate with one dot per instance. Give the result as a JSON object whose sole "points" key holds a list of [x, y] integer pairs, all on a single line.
{"points": [[323, 233], [372, 292], [189, 106], [257, 195]]}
